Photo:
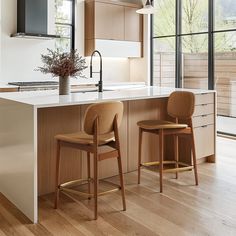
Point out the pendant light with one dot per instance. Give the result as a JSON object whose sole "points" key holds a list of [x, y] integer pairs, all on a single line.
{"points": [[147, 9]]}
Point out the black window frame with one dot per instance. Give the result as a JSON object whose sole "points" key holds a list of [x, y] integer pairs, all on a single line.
{"points": [[72, 25], [178, 50]]}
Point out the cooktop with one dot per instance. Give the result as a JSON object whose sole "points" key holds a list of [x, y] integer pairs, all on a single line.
{"points": [[34, 83]]}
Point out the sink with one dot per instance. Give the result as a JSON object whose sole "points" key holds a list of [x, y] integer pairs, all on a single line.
{"points": [[90, 90]]}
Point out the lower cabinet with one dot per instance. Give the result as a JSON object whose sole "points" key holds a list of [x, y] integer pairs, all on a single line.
{"points": [[203, 120], [204, 125], [204, 140]]}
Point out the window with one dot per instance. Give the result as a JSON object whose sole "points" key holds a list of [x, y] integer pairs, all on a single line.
{"points": [[164, 62], [164, 20], [194, 61], [164, 43], [64, 20], [194, 16], [194, 46], [225, 14]]}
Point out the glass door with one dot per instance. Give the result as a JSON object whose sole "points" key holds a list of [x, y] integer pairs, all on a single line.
{"points": [[225, 64]]}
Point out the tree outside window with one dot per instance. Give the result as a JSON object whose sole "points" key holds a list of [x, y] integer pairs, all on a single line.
{"points": [[195, 20], [64, 24]]}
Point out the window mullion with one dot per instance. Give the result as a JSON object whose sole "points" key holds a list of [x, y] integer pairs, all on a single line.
{"points": [[211, 70], [178, 46], [73, 25], [151, 49]]}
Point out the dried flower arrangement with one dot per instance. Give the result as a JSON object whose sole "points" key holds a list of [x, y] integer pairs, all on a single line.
{"points": [[62, 64]]}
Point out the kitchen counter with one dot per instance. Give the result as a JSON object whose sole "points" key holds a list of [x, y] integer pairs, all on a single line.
{"points": [[42, 99], [30, 120]]}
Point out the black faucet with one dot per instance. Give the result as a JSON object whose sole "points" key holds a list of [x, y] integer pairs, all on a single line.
{"points": [[100, 83]]}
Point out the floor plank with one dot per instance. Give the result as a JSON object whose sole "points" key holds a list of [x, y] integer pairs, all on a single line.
{"points": [[182, 209]]}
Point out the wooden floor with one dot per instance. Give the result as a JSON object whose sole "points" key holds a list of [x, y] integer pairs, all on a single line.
{"points": [[183, 209]]}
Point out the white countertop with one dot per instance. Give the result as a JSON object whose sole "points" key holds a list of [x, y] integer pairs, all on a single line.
{"points": [[40, 99]]}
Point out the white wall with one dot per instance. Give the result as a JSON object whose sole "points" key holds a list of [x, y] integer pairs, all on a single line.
{"points": [[20, 57]]}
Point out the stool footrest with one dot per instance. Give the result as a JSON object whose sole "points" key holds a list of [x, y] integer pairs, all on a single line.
{"points": [[75, 192], [76, 182], [109, 191], [180, 169], [66, 187], [87, 194], [110, 183], [184, 167], [156, 163]]}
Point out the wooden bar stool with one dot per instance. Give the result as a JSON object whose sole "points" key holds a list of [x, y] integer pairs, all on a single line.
{"points": [[100, 129], [181, 107]]}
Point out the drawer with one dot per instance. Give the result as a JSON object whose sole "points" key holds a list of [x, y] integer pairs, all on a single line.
{"points": [[203, 120], [204, 141], [204, 98], [204, 109]]}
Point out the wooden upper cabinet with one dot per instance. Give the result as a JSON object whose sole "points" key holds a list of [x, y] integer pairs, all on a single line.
{"points": [[89, 20], [113, 27], [133, 25], [109, 21]]}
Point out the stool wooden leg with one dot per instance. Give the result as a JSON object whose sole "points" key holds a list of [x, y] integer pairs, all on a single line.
{"points": [[117, 144], [57, 180], [88, 173], [194, 159], [95, 186], [176, 144], [161, 148], [121, 180], [139, 153]]}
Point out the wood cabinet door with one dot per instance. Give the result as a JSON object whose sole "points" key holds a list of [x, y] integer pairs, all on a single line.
{"points": [[133, 25], [109, 21]]}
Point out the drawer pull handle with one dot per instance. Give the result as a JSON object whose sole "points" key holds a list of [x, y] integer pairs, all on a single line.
{"points": [[204, 126], [204, 115], [204, 104]]}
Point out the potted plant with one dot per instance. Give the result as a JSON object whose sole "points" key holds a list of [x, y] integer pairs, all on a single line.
{"points": [[63, 65]]}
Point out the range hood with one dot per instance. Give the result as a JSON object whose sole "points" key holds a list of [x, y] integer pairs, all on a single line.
{"points": [[32, 20]]}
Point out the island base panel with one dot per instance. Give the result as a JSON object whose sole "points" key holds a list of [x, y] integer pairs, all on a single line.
{"points": [[69, 119]]}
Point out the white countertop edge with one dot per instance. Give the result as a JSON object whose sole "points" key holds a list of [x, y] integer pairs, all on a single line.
{"points": [[97, 101]]}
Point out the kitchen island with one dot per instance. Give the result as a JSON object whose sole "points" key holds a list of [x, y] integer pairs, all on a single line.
{"points": [[30, 120]]}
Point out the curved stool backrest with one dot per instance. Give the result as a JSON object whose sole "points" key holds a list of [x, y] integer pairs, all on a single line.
{"points": [[181, 105], [105, 113]]}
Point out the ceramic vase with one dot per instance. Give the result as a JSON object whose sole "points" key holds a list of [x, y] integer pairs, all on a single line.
{"points": [[64, 85]]}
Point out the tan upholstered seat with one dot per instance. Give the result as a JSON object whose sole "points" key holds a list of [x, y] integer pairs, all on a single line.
{"points": [[83, 138], [160, 124], [180, 107], [101, 124]]}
